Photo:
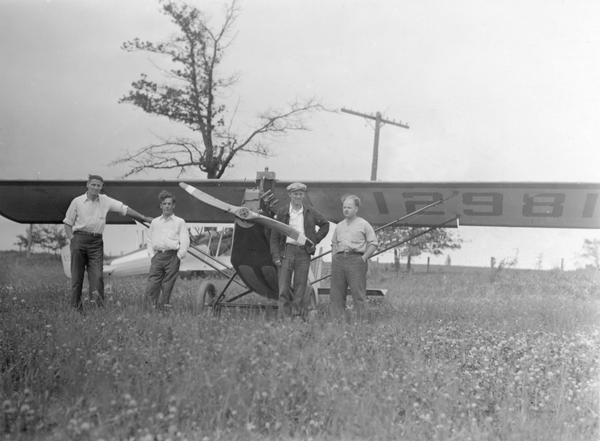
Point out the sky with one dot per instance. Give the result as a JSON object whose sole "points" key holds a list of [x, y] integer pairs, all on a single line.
{"points": [[492, 91]]}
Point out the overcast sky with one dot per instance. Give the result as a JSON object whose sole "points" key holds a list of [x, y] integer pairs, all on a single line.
{"points": [[492, 91]]}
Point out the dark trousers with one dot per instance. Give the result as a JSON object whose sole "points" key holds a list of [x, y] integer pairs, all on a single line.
{"points": [[87, 252], [295, 261], [164, 268], [348, 271]]}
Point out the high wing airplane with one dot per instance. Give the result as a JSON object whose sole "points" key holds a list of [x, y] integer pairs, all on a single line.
{"points": [[420, 204]]}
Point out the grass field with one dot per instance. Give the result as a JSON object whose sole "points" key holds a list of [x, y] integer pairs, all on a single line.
{"points": [[452, 355]]}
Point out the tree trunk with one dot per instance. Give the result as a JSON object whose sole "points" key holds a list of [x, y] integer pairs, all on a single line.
{"points": [[408, 265], [29, 237]]}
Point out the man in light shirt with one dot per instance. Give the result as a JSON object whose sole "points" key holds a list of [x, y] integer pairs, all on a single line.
{"points": [[352, 244], [84, 224], [293, 258], [168, 243]]}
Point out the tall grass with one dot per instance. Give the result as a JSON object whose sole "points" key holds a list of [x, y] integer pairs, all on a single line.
{"points": [[445, 356]]}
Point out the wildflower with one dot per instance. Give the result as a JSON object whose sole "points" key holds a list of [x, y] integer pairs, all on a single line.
{"points": [[6, 406]]}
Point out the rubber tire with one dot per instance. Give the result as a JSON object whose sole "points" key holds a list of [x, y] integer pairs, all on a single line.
{"points": [[207, 292]]}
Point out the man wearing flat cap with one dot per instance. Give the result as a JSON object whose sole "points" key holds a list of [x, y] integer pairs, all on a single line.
{"points": [[293, 258]]}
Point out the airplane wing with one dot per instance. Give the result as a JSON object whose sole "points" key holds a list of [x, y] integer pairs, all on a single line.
{"points": [[551, 205], [507, 204], [46, 202]]}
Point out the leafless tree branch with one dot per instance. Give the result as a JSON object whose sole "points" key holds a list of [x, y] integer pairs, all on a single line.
{"points": [[195, 53]]}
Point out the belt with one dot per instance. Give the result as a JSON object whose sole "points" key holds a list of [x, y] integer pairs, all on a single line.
{"points": [[165, 251], [87, 233], [287, 244], [348, 252]]}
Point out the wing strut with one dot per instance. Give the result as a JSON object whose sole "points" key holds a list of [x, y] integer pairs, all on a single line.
{"points": [[414, 236], [193, 250], [398, 243], [400, 219]]}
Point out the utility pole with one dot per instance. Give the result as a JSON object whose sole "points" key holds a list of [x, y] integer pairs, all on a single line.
{"points": [[379, 120]]}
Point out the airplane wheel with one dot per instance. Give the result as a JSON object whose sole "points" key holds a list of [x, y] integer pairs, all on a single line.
{"points": [[206, 294]]}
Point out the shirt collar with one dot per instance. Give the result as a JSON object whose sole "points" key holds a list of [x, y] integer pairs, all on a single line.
{"points": [[293, 210]]}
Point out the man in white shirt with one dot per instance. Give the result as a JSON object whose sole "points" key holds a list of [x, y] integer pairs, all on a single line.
{"points": [[168, 243], [84, 225], [353, 242], [293, 258]]}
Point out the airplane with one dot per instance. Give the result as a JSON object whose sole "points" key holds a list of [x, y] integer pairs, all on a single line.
{"points": [[250, 205]]}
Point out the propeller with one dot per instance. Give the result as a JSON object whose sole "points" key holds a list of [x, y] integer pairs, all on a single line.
{"points": [[246, 214]]}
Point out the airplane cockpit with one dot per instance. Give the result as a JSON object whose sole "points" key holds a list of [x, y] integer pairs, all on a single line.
{"points": [[214, 240]]}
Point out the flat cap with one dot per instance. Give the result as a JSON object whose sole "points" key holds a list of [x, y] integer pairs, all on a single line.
{"points": [[296, 186]]}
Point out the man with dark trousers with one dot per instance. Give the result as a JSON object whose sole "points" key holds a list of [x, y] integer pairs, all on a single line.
{"points": [[293, 258], [168, 243], [84, 224], [353, 242]]}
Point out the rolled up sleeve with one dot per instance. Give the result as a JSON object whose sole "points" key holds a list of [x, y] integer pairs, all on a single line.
{"points": [[71, 214], [116, 206]]}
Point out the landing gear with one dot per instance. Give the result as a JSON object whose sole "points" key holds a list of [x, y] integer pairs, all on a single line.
{"points": [[312, 301], [206, 295]]}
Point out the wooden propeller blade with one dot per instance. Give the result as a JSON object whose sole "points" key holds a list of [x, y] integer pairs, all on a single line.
{"points": [[281, 227], [245, 214]]}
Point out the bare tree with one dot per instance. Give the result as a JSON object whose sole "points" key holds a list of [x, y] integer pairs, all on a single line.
{"points": [[50, 238], [591, 252], [191, 97]]}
